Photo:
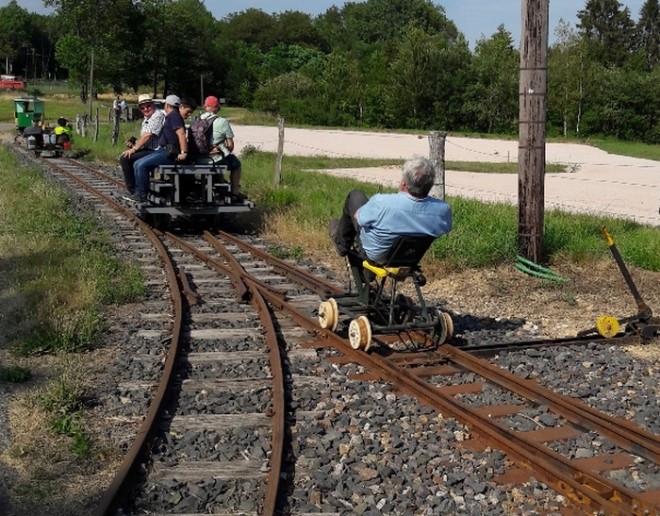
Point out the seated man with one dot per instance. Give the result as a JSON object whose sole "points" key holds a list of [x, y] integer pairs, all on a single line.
{"points": [[63, 130], [379, 221], [222, 145], [36, 131], [146, 143]]}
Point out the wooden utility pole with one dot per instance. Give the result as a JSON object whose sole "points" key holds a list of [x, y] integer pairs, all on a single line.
{"points": [[531, 140], [437, 158]]}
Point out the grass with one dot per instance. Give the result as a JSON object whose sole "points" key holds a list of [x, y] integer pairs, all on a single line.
{"points": [[63, 402], [632, 149], [484, 235], [62, 274], [14, 374], [63, 269]]}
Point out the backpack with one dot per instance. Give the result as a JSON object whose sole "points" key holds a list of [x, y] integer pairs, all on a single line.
{"points": [[200, 134]]}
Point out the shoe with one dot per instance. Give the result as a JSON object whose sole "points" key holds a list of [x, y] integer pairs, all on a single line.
{"points": [[137, 198], [127, 196], [340, 245], [237, 198]]}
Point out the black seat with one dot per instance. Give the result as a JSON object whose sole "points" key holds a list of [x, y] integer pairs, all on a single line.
{"points": [[407, 251]]}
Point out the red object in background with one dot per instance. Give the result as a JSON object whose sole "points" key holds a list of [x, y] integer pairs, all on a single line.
{"points": [[67, 145], [11, 84]]}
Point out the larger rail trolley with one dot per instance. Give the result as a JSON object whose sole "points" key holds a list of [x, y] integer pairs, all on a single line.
{"points": [[194, 192]]}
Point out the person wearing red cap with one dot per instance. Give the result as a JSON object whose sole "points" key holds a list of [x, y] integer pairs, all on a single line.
{"points": [[222, 145]]}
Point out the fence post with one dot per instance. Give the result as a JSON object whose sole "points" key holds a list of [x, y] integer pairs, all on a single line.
{"points": [[280, 150], [81, 123], [115, 126], [96, 126], [437, 157]]}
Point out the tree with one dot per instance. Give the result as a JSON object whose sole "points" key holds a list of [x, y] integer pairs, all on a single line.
{"points": [[569, 79], [16, 32], [648, 33], [363, 26], [609, 31], [101, 32], [294, 28], [252, 27], [493, 98]]}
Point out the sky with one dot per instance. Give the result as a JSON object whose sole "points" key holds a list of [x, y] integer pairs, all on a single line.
{"points": [[474, 18]]}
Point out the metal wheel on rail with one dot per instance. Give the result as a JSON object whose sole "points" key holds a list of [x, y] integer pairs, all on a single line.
{"points": [[162, 221], [444, 327], [329, 314], [359, 333]]}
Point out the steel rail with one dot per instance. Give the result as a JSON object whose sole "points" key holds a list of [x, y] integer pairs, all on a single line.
{"points": [[627, 435], [580, 485], [318, 285], [550, 467], [118, 491], [278, 393]]}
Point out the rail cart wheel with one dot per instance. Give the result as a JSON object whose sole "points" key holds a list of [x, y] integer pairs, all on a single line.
{"points": [[607, 326], [444, 327], [359, 333], [329, 314], [450, 325], [161, 221]]}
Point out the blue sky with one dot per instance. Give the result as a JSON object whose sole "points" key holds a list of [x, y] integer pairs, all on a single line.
{"points": [[474, 18]]}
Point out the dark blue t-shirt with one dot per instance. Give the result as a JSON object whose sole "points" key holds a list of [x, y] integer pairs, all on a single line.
{"points": [[173, 121]]}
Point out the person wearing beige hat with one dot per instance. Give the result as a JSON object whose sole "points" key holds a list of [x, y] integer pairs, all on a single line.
{"points": [[146, 143], [172, 148]]}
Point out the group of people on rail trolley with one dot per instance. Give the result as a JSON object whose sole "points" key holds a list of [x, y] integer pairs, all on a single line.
{"points": [[165, 140]]}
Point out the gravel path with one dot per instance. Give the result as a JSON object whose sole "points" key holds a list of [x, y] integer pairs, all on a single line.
{"points": [[596, 182]]}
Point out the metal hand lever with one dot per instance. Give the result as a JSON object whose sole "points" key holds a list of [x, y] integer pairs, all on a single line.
{"points": [[644, 313]]}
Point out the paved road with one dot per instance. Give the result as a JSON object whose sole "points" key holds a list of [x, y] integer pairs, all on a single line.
{"points": [[597, 182]]}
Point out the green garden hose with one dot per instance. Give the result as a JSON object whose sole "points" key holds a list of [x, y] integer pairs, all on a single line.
{"points": [[536, 270]]}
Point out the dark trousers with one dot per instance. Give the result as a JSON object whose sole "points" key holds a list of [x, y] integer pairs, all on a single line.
{"points": [[126, 164], [348, 228]]}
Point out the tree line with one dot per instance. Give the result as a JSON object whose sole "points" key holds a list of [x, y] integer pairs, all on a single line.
{"points": [[378, 63]]}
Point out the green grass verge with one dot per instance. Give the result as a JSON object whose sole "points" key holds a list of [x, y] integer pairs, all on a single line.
{"points": [[632, 149], [63, 270], [484, 234]]}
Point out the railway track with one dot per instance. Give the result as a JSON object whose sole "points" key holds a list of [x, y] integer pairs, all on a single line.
{"points": [[232, 335]]}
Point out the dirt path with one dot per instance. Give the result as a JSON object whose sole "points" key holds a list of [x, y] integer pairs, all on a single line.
{"points": [[597, 182]]}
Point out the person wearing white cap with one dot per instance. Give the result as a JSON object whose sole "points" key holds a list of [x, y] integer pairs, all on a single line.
{"points": [[172, 146], [146, 143]]}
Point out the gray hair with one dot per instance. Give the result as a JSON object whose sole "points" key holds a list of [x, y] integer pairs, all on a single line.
{"points": [[419, 175]]}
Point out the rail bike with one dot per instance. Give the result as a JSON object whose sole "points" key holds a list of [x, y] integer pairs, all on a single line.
{"points": [[36, 133], [193, 192], [374, 302]]}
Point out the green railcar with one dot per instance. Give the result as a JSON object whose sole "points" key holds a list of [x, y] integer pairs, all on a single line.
{"points": [[28, 110]]}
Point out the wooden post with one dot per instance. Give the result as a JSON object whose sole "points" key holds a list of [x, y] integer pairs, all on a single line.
{"points": [[280, 150], [437, 141], [531, 140], [96, 126], [82, 124], [115, 127]]}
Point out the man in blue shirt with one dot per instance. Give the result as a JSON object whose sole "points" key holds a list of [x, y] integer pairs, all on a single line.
{"points": [[379, 221]]}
